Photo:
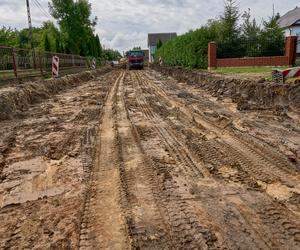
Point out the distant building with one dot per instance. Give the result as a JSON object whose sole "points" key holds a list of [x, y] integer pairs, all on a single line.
{"points": [[290, 22], [154, 38]]}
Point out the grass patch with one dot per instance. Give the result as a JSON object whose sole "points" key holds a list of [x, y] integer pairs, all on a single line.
{"points": [[265, 72]]}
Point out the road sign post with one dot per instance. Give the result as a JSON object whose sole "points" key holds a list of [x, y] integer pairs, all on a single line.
{"points": [[55, 66]]}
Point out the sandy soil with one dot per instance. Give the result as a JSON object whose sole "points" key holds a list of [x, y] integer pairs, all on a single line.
{"points": [[137, 160]]}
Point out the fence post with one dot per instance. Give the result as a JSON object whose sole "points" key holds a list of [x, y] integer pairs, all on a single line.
{"points": [[34, 58], [14, 62], [40, 63], [212, 55], [290, 49]]}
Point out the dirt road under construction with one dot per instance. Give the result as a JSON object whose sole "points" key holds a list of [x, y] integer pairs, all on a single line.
{"points": [[137, 160]]}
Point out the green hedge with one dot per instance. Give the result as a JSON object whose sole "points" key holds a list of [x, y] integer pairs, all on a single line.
{"points": [[188, 50]]}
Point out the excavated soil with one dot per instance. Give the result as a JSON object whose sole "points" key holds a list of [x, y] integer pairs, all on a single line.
{"points": [[139, 160], [14, 100], [247, 93]]}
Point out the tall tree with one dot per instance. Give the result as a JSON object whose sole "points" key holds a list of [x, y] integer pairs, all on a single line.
{"points": [[74, 18], [9, 36], [250, 29], [229, 21], [272, 36], [47, 45], [98, 46], [159, 44]]}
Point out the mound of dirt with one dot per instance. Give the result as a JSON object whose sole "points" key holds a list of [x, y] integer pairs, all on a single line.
{"points": [[248, 94], [14, 100]]}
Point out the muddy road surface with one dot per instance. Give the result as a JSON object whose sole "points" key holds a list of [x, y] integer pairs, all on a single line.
{"points": [[137, 160]]}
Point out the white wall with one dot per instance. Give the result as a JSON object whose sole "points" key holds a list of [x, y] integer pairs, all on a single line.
{"points": [[152, 51], [296, 32]]}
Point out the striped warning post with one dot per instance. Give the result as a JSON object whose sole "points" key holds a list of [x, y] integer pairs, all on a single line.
{"points": [[55, 66], [94, 63], [292, 72], [282, 75]]}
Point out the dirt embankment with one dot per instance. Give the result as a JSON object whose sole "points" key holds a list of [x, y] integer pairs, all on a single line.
{"points": [[248, 94], [14, 100], [46, 157]]}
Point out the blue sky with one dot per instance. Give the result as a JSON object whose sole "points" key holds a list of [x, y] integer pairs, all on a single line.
{"points": [[126, 23]]}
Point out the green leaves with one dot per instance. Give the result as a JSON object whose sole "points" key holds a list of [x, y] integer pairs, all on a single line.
{"points": [[76, 25], [9, 36], [47, 45], [234, 40], [188, 50]]}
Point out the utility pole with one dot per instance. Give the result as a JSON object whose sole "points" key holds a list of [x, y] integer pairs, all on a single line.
{"points": [[30, 32], [28, 13]]}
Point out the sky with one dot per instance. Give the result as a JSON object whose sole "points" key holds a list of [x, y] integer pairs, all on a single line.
{"points": [[123, 24]]}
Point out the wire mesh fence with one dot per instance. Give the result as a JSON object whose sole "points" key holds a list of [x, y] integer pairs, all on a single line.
{"points": [[22, 63], [251, 48]]}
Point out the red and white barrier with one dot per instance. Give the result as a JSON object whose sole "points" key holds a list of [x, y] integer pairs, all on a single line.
{"points": [[292, 72], [282, 75], [55, 66]]}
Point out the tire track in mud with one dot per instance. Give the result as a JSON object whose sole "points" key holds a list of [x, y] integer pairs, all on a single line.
{"points": [[249, 237], [59, 129], [145, 223], [185, 229], [264, 164], [244, 175], [103, 226], [178, 151]]}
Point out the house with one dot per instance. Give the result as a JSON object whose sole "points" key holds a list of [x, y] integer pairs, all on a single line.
{"points": [[154, 38], [290, 22]]}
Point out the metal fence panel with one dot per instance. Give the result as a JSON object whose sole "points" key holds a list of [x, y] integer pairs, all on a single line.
{"points": [[21, 63], [250, 48]]}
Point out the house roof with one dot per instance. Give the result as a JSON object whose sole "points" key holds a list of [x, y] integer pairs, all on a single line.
{"points": [[153, 38], [289, 18]]}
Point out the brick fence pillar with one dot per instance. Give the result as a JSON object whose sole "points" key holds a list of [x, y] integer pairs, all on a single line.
{"points": [[290, 49], [212, 55]]}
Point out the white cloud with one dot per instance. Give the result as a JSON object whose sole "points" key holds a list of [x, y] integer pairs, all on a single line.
{"points": [[126, 23]]}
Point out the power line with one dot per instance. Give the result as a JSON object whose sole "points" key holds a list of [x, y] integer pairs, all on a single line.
{"points": [[42, 9], [46, 14]]}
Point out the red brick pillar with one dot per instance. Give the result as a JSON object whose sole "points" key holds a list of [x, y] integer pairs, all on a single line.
{"points": [[290, 49], [212, 55]]}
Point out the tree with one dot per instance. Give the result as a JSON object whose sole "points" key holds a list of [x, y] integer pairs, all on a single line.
{"points": [[8, 36], [57, 46], [272, 36], [111, 55], [250, 29], [229, 20], [159, 44], [74, 18], [98, 46], [47, 46]]}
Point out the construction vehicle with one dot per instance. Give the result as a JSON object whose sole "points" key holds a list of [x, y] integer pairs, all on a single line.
{"points": [[123, 62], [136, 59]]}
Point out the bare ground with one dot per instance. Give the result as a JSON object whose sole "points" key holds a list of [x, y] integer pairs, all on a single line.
{"points": [[137, 160]]}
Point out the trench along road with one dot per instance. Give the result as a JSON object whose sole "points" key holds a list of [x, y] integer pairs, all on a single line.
{"points": [[166, 176]]}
